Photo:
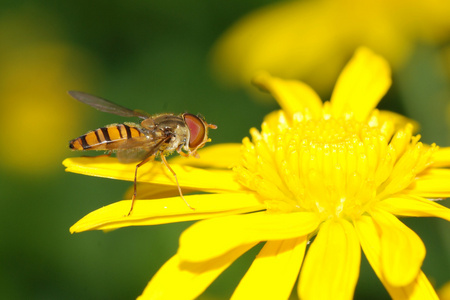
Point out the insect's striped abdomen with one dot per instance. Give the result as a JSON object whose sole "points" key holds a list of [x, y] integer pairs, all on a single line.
{"points": [[105, 138]]}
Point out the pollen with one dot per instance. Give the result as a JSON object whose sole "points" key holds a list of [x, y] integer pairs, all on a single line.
{"points": [[334, 167]]}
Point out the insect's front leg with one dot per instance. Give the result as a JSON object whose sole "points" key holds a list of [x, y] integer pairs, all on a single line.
{"points": [[180, 151], [190, 153], [163, 158]]}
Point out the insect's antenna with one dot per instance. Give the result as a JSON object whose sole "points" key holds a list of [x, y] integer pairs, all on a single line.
{"points": [[163, 158]]}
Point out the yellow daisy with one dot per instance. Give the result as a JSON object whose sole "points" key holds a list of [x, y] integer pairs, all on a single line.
{"points": [[43, 67], [336, 174]]}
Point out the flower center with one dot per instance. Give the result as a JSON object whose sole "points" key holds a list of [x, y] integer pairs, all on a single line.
{"points": [[335, 167]]}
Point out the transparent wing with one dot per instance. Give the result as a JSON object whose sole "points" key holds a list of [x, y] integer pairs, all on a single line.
{"points": [[132, 155], [107, 106], [137, 149]]}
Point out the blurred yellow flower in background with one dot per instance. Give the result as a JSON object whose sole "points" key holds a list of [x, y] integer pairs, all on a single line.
{"points": [[311, 40], [444, 292], [336, 173], [36, 114]]}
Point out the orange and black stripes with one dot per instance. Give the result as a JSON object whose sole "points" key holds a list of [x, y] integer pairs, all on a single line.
{"points": [[105, 138]]}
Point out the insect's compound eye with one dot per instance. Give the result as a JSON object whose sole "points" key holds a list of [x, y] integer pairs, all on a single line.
{"points": [[197, 130]]}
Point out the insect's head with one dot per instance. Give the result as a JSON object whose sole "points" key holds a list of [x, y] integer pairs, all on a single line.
{"points": [[198, 129]]}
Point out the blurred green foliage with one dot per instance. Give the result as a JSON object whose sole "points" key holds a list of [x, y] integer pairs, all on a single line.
{"points": [[151, 55]]}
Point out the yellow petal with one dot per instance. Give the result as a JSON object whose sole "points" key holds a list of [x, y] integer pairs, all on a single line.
{"points": [[441, 157], [155, 191], [182, 280], [331, 266], [369, 237], [444, 291], [361, 85], [414, 206], [273, 39], [154, 172], [216, 156], [276, 119], [293, 96], [420, 288], [433, 183], [402, 251], [398, 120], [274, 271], [169, 210], [214, 237]]}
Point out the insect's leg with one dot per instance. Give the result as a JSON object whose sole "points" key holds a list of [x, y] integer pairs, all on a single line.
{"points": [[180, 151], [135, 184], [176, 180]]}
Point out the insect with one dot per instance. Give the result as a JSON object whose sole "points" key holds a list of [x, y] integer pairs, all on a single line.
{"points": [[157, 135]]}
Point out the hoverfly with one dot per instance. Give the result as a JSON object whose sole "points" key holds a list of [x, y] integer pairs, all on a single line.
{"points": [[157, 135]]}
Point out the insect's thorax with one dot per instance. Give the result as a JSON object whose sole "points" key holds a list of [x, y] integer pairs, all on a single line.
{"points": [[167, 125]]}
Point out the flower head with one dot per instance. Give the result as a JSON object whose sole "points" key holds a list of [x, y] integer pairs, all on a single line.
{"points": [[36, 67], [295, 39], [336, 173]]}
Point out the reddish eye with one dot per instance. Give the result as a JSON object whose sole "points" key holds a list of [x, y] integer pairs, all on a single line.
{"points": [[197, 130]]}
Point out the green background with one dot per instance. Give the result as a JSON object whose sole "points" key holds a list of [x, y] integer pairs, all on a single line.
{"points": [[152, 55]]}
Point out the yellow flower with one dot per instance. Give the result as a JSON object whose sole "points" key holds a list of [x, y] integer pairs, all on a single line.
{"points": [[444, 292], [35, 75], [296, 39], [336, 173]]}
